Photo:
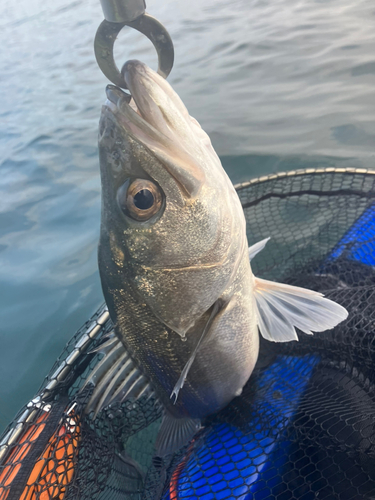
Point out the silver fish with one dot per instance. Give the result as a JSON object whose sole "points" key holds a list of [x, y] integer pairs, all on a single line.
{"points": [[175, 267]]}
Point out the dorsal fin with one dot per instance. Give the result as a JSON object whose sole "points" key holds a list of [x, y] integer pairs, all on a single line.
{"points": [[257, 247], [115, 378]]}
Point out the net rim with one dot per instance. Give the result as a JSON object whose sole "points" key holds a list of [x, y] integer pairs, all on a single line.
{"points": [[301, 172]]}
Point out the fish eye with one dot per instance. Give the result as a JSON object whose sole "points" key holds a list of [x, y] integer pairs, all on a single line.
{"points": [[140, 199]]}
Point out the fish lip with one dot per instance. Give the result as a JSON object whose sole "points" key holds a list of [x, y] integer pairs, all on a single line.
{"points": [[118, 101], [115, 94], [124, 108], [129, 109]]}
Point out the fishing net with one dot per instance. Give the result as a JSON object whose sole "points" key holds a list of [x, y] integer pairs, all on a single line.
{"points": [[304, 426]]}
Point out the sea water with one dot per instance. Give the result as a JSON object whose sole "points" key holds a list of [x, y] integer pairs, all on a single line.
{"points": [[278, 85]]}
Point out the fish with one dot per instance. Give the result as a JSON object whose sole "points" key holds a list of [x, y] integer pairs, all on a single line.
{"points": [[175, 269]]}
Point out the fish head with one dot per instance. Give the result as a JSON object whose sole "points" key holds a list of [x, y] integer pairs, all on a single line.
{"points": [[172, 225]]}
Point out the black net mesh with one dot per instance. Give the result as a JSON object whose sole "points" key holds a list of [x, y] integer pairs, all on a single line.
{"points": [[304, 427]]}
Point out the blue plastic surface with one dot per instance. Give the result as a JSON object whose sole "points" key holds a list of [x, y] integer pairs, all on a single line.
{"points": [[232, 462], [246, 463], [359, 242]]}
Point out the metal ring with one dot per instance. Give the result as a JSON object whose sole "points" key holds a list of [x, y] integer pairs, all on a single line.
{"points": [[146, 24]]}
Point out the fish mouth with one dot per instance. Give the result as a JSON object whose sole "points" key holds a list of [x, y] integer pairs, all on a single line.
{"points": [[124, 107], [154, 115], [152, 99], [146, 112]]}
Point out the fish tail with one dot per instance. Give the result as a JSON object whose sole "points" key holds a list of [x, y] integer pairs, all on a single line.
{"points": [[174, 433]]}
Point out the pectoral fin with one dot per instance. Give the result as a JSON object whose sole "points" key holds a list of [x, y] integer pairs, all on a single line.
{"points": [[180, 382], [258, 247], [281, 308], [174, 433]]}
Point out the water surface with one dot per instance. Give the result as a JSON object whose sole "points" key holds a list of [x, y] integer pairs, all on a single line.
{"points": [[277, 85]]}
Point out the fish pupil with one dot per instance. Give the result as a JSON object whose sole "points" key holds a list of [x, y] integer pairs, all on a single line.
{"points": [[144, 199]]}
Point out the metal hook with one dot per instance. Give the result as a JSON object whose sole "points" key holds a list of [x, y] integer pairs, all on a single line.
{"points": [[146, 24]]}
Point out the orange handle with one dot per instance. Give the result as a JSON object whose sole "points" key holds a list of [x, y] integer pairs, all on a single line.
{"points": [[54, 469]]}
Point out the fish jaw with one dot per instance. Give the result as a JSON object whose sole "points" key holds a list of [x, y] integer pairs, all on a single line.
{"points": [[156, 117], [142, 119]]}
